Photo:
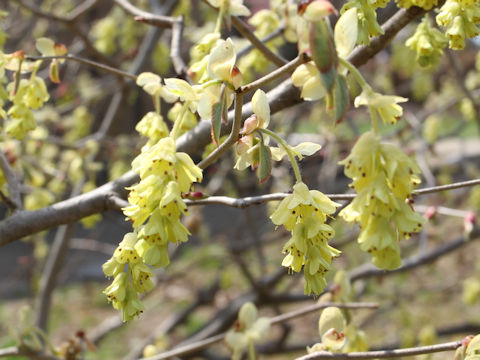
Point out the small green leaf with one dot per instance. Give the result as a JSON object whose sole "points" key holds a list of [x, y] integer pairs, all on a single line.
{"points": [[54, 76], [265, 163], [340, 99], [324, 53], [217, 112]]}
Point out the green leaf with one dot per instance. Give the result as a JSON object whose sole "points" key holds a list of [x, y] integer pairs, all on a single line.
{"points": [[341, 99], [54, 76], [217, 112], [265, 163], [324, 53]]}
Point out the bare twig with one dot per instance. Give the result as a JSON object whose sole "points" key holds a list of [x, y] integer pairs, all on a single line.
{"points": [[312, 308], [381, 354], [12, 181], [283, 96], [265, 40], [257, 200], [176, 48], [369, 270], [256, 42], [84, 61], [14, 351], [285, 69], [146, 17]]}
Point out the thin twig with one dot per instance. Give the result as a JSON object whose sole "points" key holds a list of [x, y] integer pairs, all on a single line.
{"points": [[312, 308], [381, 354], [198, 345], [232, 138], [243, 29], [84, 61], [257, 200], [12, 181], [176, 48], [146, 17], [369, 270], [14, 351], [285, 69], [265, 40]]}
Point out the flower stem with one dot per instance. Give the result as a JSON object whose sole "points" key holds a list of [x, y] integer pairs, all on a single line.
{"points": [[178, 122], [354, 71], [288, 150]]}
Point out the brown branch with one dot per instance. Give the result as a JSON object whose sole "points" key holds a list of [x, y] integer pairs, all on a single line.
{"points": [[14, 351], [283, 96], [243, 29], [369, 270], [84, 61], [232, 138], [382, 354], [257, 200], [176, 48], [146, 17], [12, 182]]}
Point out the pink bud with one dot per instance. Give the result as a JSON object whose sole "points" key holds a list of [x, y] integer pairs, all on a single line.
{"points": [[250, 125], [430, 213]]}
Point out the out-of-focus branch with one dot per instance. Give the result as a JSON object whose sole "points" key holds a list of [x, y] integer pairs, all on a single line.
{"points": [[285, 69], [176, 48], [243, 29], [84, 61], [146, 17], [382, 354], [12, 182], [369, 270], [198, 345], [266, 39], [14, 351]]}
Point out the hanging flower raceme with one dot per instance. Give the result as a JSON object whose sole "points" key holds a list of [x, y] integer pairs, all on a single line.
{"points": [[384, 179], [461, 18], [156, 202], [304, 213], [427, 42]]}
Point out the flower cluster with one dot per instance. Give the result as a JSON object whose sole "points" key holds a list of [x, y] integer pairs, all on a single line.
{"points": [[384, 178], [428, 43], [461, 18], [425, 4], [26, 95], [156, 202], [304, 213]]}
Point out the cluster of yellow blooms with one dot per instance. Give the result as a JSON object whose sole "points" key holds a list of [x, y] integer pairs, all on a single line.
{"points": [[304, 213], [384, 178]]}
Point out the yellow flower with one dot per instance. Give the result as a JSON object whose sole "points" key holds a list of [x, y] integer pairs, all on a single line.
{"points": [[385, 105], [307, 77], [304, 213]]}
